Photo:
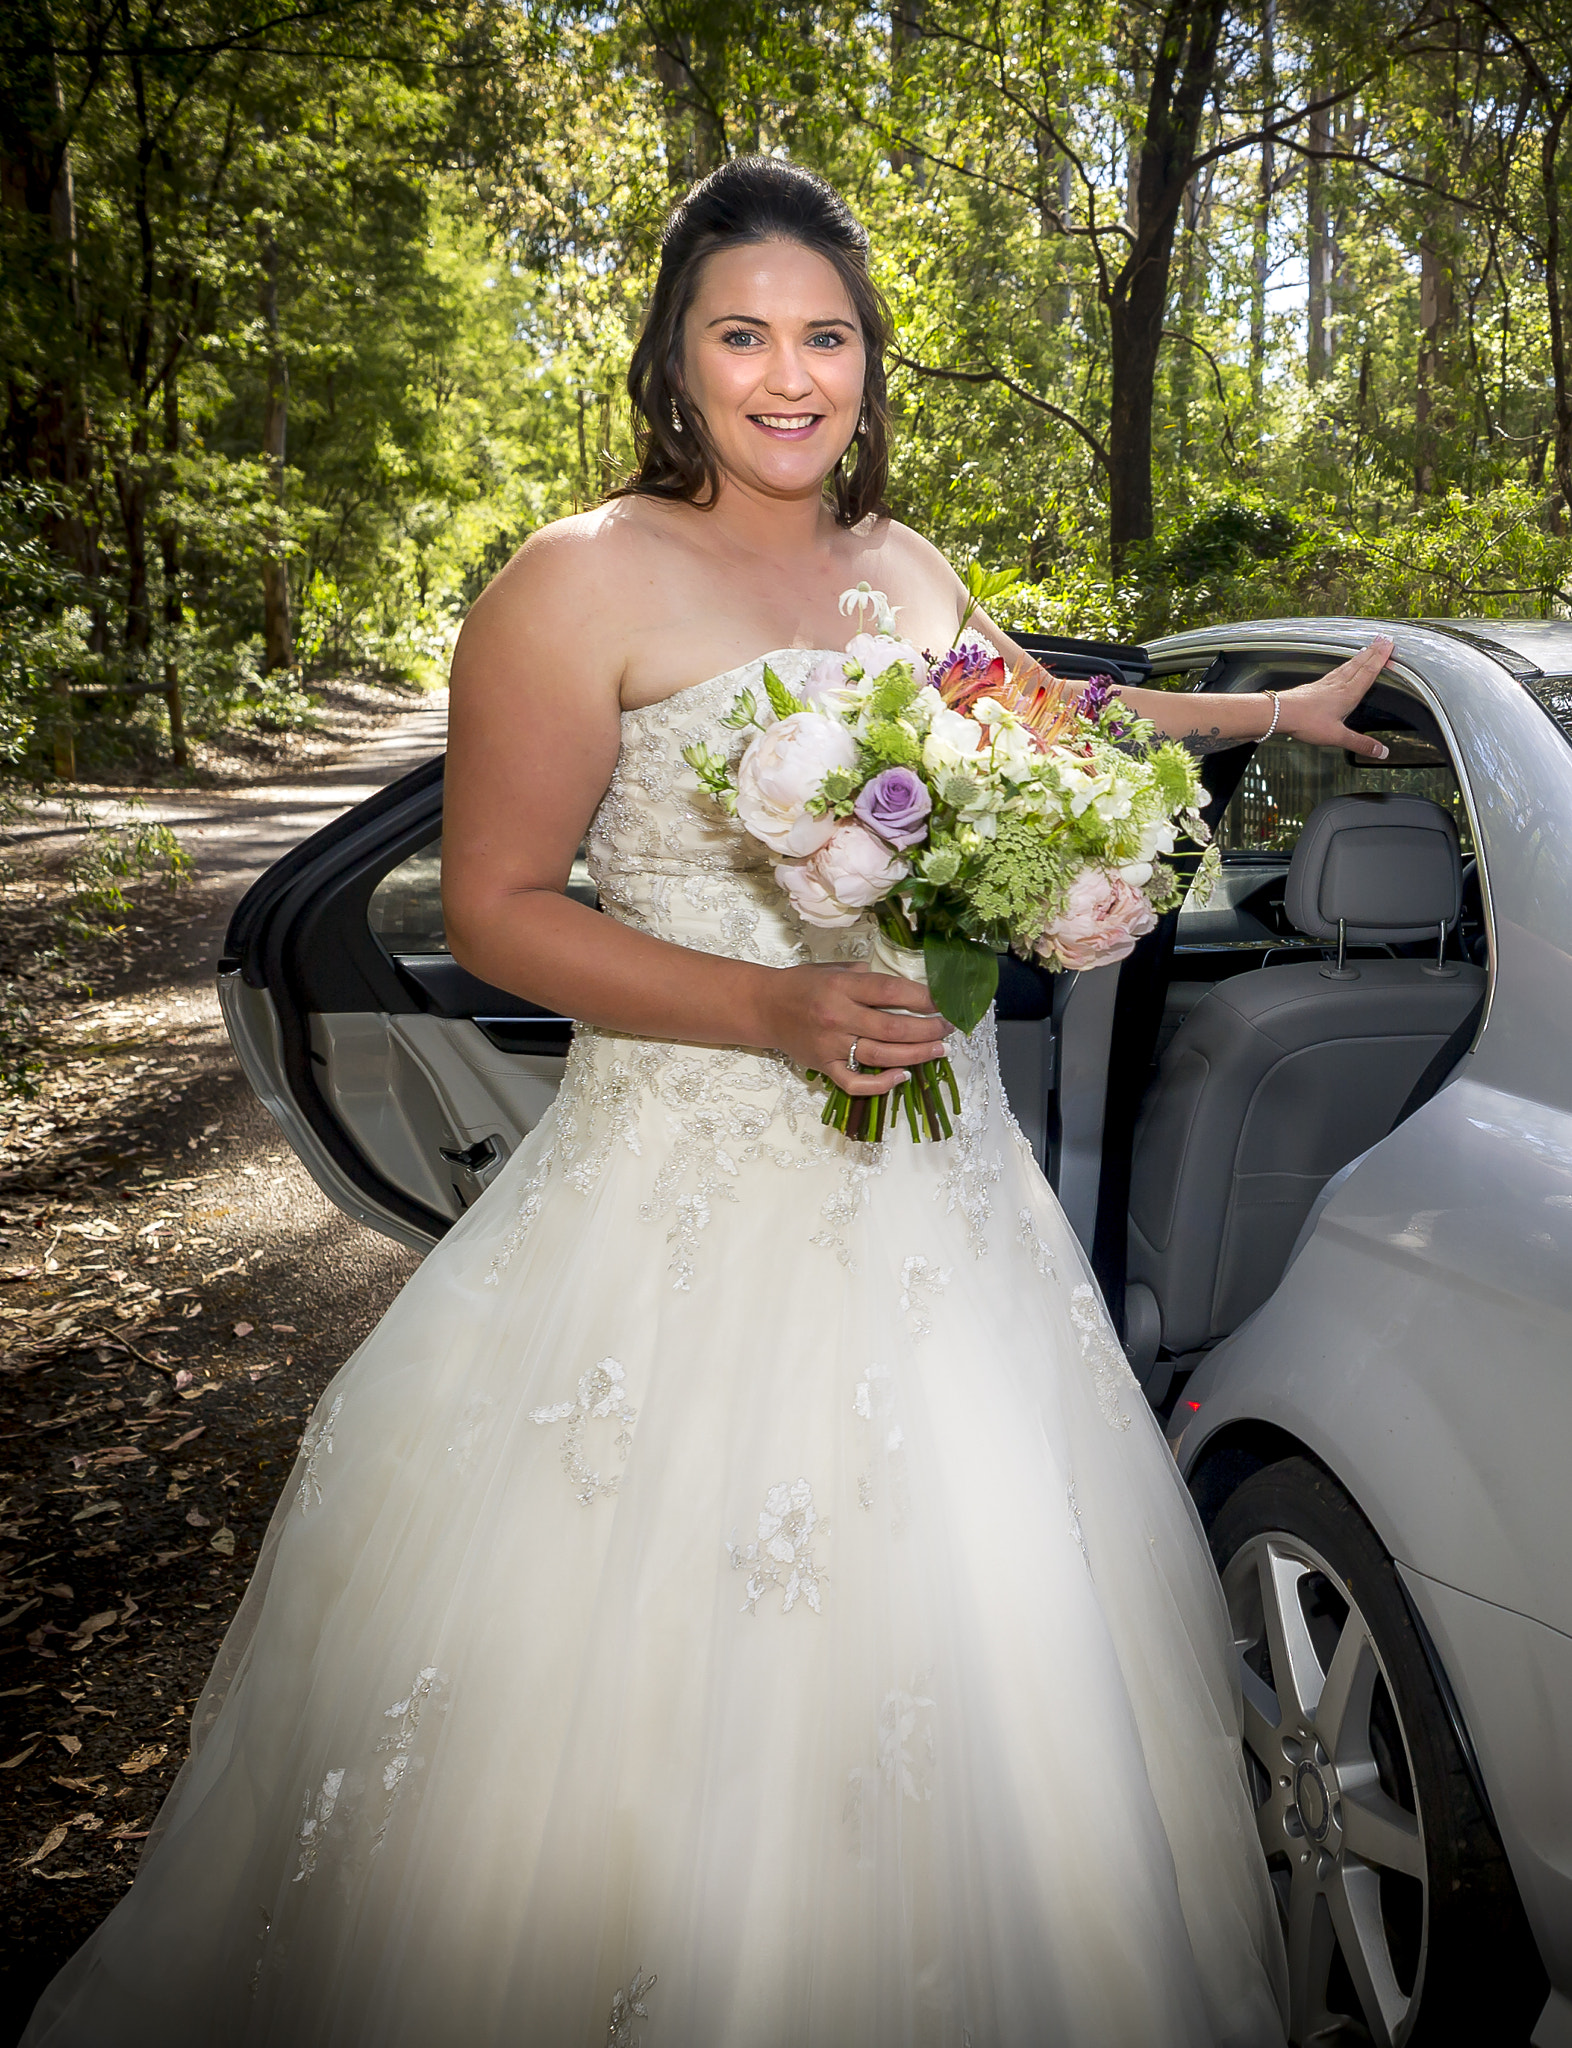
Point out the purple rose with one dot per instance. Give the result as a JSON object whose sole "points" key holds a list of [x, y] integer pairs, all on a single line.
{"points": [[896, 805]]}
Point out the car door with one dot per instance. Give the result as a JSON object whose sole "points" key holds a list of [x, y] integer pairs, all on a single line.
{"points": [[404, 1083]]}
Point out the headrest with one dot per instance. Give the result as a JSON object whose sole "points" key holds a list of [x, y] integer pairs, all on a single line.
{"points": [[1387, 865]]}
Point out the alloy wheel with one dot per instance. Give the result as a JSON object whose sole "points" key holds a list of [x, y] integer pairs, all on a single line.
{"points": [[1335, 1801]]}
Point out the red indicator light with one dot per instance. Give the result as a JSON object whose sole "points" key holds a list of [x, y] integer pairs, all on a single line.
{"points": [[1194, 1407]]}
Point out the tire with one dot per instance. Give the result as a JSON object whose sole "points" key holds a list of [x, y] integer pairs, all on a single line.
{"points": [[1403, 1923]]}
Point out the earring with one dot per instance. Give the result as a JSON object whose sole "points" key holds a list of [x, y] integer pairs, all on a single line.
{"points": [[862, 419], [676, 418]]}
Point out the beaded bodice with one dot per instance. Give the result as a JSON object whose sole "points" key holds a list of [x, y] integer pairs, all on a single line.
{"points": [[665, 857]]}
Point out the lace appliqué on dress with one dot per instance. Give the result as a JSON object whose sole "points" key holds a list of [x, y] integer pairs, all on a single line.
{"points": [[1026, 1236], [904, 1753], [317, 1443], [531, 1196], [920, 1282], [626, 2007], [602, 1393], [781, 1556], [408, 1713], [874, 1401], [313, 1824], [1111, 1374], [1075, 1523], [969, 1183]]}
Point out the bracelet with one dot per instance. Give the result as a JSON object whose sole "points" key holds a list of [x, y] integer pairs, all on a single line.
{"points": [[1277, 712]]}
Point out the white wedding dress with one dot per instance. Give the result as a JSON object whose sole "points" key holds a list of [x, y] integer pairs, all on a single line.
{"points": [[737, 1598]]}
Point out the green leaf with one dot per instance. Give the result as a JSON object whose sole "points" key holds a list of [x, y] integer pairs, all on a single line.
{"points": [[962, 979], [782, 702], [984, 585]]}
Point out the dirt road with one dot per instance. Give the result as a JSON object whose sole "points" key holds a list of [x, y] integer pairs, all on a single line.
{"points": [[174, 1293]]}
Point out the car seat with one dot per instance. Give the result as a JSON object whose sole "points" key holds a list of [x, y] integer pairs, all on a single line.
{"points": [[1278, 1078]]}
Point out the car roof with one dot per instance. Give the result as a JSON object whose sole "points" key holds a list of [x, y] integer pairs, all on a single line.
{"points": [[1545, 643]]}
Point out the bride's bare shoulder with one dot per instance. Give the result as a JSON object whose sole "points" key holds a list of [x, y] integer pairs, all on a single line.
{"points": [[582, 584], [587, 557]]}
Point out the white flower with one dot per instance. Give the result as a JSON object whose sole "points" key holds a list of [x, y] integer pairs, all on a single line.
{"points": [[951, 742], [866, 598], [853, 869], [781, 769]]}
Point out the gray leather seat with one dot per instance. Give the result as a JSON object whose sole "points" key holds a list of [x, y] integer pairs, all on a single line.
{"points": [[1277, 1078]]}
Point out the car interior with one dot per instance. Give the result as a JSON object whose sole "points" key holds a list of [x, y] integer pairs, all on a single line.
{"points": [[1188, 1107]]}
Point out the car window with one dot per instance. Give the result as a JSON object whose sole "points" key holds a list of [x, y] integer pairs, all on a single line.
{"points": [[1286, 780], [405, 912]]}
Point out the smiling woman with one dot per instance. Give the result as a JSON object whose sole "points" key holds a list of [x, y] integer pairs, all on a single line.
{"points": [[763, 317]]}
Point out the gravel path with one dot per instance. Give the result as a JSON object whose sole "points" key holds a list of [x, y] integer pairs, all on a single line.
{"points": [[174, 1294]]}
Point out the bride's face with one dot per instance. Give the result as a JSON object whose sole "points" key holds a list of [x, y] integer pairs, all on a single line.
{"points": [[773, 358]]}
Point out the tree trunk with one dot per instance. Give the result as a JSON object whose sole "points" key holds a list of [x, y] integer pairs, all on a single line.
{"points": [[1318, 312], [906, 26], [1557, 312], [47, 428], [278, 641], [1261, 238], [1437, 311], [1192, 290], [695, 134], [1183, 68], [169, 554]]}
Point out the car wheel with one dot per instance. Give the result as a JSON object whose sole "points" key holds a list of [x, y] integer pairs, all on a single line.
{"points": [[1402, 1920]]}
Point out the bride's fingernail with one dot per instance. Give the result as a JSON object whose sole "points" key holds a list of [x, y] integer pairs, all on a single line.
{"points": [[903, 1074]]}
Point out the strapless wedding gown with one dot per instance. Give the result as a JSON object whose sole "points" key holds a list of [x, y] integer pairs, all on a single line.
{"points": [[737, 1598]]}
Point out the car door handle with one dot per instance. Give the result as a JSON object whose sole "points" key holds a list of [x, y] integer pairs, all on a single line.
{"points": [[474, 1158]]}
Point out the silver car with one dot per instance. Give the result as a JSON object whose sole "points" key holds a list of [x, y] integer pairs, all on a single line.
{"points": [[1316, 1135]]}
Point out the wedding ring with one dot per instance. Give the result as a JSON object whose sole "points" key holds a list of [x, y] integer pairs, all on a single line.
{"points": [[851, 1057]]}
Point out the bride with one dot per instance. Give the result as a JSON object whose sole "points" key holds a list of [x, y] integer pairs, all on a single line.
{"points": [[738, 1597]]}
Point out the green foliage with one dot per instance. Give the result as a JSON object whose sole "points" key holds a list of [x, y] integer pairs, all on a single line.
{"points": [[963, 979], [782, 702], [108, 857]]}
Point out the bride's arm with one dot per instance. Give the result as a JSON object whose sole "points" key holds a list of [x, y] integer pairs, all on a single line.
{"points": [[1313, 712], [533, 733]]}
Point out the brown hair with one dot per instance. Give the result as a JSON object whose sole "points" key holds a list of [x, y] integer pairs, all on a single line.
{"points": [[751, 199]]}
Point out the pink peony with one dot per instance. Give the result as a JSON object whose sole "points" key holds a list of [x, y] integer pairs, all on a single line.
{"points": [[1102, 918], [839, 882], [879, 651], [782, 768], [827, 673]]}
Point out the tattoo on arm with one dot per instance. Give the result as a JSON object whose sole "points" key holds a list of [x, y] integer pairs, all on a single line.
{"points": [[1213, 742]]}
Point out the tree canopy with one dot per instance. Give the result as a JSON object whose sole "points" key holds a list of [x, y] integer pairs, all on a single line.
{"points": [[311, 312]]}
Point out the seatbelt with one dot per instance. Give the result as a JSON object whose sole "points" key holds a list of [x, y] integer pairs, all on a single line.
{"points": [[1440, 1067]]}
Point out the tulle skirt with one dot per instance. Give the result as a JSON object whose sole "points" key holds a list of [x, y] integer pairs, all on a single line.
{"points": [[740, 1605]]}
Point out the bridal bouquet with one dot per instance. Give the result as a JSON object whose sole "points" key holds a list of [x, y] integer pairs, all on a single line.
{"points": [[969, 810]]}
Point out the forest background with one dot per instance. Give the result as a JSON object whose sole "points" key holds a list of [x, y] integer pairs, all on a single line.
{"points": [[310, 313]]}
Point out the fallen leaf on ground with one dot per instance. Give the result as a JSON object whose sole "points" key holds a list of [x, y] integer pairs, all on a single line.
{"points": [[47, 1846], [187, 1438], [94, 1622], [287, 1328], [244, 1329], [144, 1759], [223, 1542], [71, 1744], [21, 1757], [198, 1520]]}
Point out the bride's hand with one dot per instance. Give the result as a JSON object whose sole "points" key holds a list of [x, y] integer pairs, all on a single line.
{"points": [[1316, 711], [816, 1014]]}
